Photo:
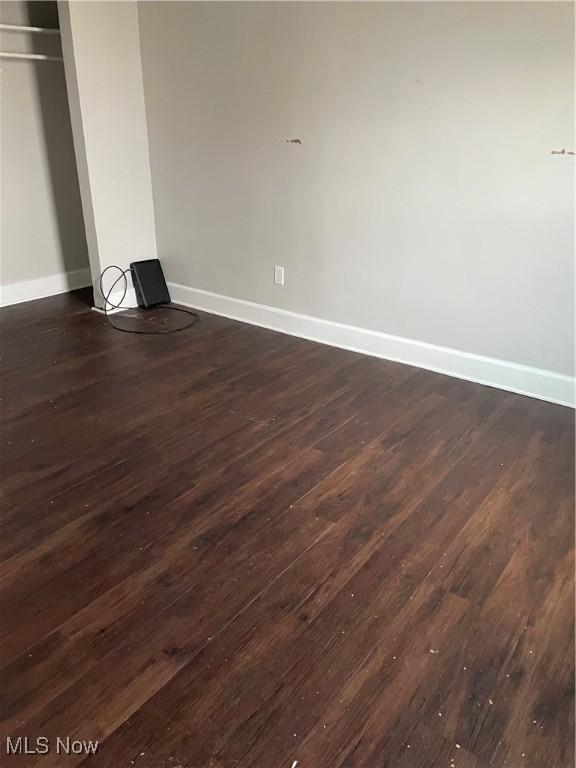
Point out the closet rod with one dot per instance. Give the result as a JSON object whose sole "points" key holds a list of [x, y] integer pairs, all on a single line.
{"points": [[20, 28], [31, 56]]}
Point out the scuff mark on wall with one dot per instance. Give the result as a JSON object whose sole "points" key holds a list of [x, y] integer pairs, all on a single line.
{"points": [[562, 152], [293, 141]]}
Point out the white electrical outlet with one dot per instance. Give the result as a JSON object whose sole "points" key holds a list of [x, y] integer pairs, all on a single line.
{"points": [[278, 275]]}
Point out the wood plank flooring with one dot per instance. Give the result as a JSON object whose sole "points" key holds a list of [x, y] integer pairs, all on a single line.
{"points": [[231, 548]]}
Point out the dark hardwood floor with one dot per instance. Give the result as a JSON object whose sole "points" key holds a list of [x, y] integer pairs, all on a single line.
{"points": [[231, 548]]}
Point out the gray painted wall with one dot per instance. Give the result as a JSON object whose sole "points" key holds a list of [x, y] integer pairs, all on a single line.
{"points": [[424, 200], [42, 225]]}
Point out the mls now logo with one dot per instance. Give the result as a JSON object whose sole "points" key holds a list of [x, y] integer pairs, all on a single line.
{"points": [[42, 746]]}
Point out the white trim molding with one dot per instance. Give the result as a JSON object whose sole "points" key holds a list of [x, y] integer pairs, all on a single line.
{"points": [[28, 290], [119, 301], [513, 377]]}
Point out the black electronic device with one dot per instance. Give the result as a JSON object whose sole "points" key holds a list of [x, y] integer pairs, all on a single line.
{"points": [[149, 283]]}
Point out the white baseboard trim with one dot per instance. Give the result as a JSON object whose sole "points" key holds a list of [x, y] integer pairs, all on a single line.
{"points": [[513, 377], [28, 290], [118, 298]]}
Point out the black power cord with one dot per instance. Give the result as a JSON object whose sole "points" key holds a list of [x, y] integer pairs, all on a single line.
{"points": [[108, 304]]}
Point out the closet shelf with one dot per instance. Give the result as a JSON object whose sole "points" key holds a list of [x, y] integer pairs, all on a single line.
{"points": [[31, 56], [35, 30]]}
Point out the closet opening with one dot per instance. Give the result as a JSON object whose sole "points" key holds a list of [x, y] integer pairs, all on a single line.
{"points": [[44, 249]]}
